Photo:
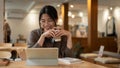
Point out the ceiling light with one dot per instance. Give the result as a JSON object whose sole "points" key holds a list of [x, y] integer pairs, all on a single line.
{"points": [[111, 8], [71, 6], [60, 21], [58, 5], [80, 14], [73, 16], [69, 13], [109, 17]]}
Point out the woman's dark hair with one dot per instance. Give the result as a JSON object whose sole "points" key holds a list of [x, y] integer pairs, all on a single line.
{"points": [[51, 11]]}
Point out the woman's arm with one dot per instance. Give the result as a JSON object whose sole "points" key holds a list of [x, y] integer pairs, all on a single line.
{"points": [[33, 38], [67, 52], [37, 38], [41, 40], [69, 40], [62, 32]]}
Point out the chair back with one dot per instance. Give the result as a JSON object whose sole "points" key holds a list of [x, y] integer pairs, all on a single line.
{"points": [[21, 50]]}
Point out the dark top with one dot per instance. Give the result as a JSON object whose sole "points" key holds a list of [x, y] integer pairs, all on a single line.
{"points": [[49, 42]]}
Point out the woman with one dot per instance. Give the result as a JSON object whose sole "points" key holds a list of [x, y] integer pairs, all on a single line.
{"points": [[45, 36]]}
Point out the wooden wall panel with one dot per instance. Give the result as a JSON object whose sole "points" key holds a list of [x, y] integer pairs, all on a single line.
{"points": [[109, 43]]}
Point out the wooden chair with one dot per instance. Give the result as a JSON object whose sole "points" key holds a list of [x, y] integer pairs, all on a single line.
{"points": [[21, 50], [5, 51]]}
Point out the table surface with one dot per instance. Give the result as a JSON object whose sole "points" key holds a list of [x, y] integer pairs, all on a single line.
{"points": [[13, 48], [22, 64], [91, 59]]}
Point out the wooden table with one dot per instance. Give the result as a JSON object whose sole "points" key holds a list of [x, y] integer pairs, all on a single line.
{"points": [[11, 48], [91, 59], [22, 64]]}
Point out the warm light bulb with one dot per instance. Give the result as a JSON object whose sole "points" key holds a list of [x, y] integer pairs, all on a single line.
{"points": [[58, 5], [80, 14], [109, 17], [73, 16], [71, 6], [111, 8]]}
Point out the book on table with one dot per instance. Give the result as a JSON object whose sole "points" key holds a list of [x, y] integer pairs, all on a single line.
{"points": [[107, 60], [68, 60], [88, 55]]}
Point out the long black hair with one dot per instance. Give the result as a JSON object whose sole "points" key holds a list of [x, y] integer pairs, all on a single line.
{"points": [[51, 11]]}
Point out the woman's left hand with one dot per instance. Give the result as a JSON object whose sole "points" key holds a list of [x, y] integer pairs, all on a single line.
{"points": [[60, 32]]}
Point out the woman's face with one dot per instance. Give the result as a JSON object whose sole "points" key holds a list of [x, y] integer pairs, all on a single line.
{"points": [[46, 22]]}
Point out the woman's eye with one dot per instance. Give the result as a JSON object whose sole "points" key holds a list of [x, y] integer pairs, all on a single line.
{"points": [[42, 21], [50, 20]]}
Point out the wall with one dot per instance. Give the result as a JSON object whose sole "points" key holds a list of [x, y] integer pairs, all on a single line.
{"points": [[30, 22], [117, 19], [23, 26], [1, 20], [103, 16]]}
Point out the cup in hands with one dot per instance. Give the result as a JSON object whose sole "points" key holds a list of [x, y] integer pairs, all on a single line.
{"points": [[56, 30]]}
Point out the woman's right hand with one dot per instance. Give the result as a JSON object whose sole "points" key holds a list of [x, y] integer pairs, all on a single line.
{"points": [[49, 33]]}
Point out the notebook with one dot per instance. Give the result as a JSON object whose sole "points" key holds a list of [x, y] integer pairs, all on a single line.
{"points": [[42, 56], [88, 55], [105, 60], [69, 60]]}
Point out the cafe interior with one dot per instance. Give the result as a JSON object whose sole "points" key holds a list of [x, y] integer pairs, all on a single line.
{"points": [[94, 26]]}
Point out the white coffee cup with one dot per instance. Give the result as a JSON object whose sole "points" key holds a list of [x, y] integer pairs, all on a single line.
{"points": [[57, 39]]}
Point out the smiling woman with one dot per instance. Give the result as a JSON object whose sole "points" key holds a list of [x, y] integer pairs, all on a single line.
{"points": [[46, 34]]}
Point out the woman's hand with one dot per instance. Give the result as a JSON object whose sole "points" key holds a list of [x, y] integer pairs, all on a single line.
{"points": [[56, 32], [49, 33], [60, 32]]}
